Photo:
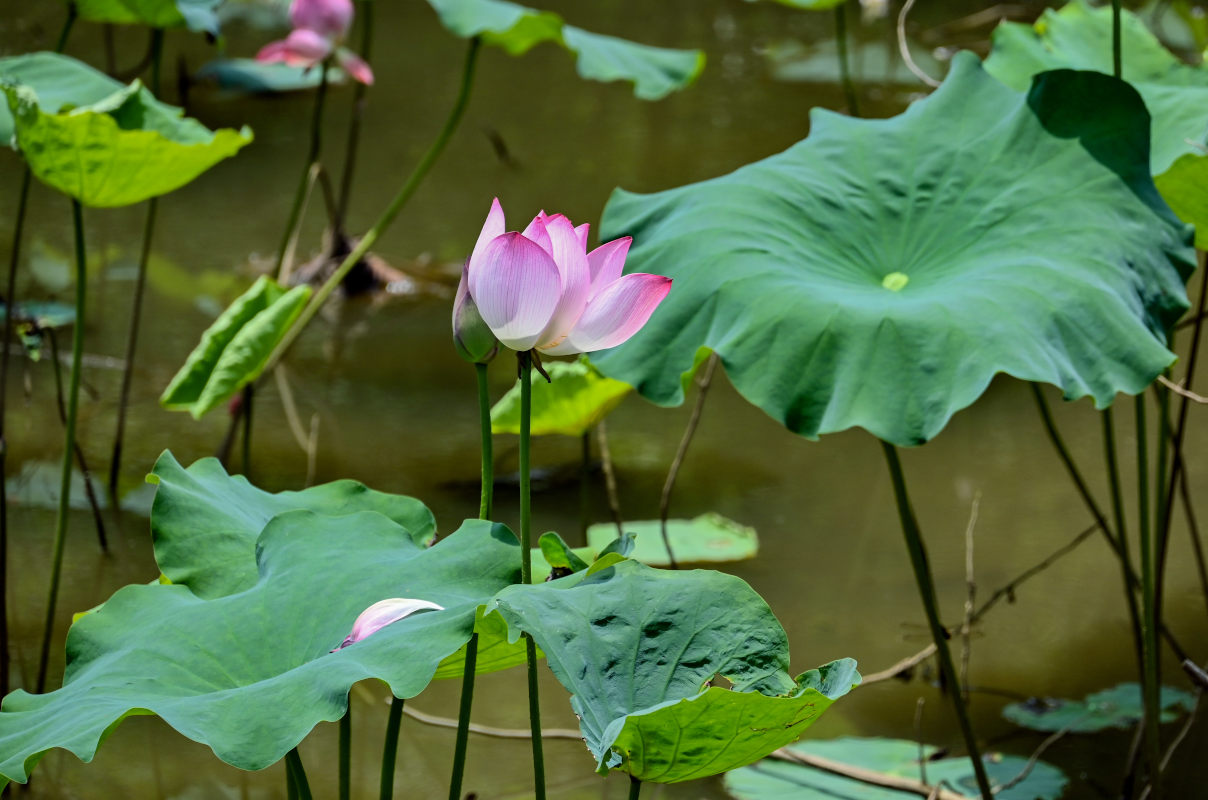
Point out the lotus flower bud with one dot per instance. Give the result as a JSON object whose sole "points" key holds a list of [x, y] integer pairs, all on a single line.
{"points": [[381, 614], [473, 339]]}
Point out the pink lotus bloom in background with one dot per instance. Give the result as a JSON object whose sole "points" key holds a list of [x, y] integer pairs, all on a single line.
{"points": [[542, 289], [319, 28], [381, 614]]}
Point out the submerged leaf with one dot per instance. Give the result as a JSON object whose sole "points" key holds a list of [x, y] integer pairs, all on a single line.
{"points": [[574, 401], [235, 348], [635, 645], [1119, 707], [1022, 234], [205, 523], [250, 75], [250, 674], [654, 72], [707, 538]]}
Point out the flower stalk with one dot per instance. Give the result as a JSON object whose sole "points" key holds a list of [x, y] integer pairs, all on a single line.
{"points": [[526, 562], [390, 749]]}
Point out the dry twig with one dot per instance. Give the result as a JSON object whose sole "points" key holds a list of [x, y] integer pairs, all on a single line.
{"points": [[904, 48]]}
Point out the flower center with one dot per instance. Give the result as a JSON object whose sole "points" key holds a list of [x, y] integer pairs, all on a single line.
{"points": [[895, 281]]}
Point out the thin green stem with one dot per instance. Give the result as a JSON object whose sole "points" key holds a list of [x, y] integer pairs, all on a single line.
{"points": [[463, 718], [246, 407], [1150, 679], [293, 762], [926, 586], [849, 87], [1124, 558], [365, 12], [73, 407], [72, 13], [312, 156], [1117, 55], [526, 561], [390, 748], [291, 787], [584, 484], [392, 210], [488, 458], [635, 788], [140, 283], [345, 765]]}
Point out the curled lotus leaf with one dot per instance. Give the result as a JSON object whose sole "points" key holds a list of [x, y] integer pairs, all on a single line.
{"points": [[637, 647], [251, 673], [57, 81], [196, 15], [122, 149], [880, 273], [654, 72]]}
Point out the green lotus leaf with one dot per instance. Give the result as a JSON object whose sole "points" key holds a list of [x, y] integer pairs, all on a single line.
{"points": [[635, 645], [1182, 186], [235, 348], [574, 400], [119, 150], [33, 318], [250, 75], [775, 779], [205, 523], [812, 5], [1118, 707], [654, 72], [197, 15], [881, 272], [57, 80], [251, 673], [496, 651], [1079, 36], [709, 538]]}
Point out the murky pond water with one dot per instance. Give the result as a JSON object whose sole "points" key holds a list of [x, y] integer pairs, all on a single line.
{"points": [[396, 407]]}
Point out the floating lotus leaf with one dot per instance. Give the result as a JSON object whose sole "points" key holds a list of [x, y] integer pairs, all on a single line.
{"points": [[205, 523], [654, 72], [775, 779], [197, 15], [1118, 707], [121, 149], [235, 348], [634, 645], [575, 399], [250, 75], [250, 674], [1079, 36], [58, 81], [881, 272], [33, 318], [709, 538]]}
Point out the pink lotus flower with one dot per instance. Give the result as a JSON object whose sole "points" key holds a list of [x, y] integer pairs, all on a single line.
{"points": [[541, 288], [381, 614], [319, 28]]}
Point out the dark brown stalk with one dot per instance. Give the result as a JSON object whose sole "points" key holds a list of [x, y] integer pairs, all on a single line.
{"points": [[703, 383]]}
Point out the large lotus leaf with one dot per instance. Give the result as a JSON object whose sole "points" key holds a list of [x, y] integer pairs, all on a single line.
{"points": [[250, 75], [776, 779], [1183, 187], [198, 15], [709, 538], [1119, 707], [654, 72], [881, 272], [235, 348], [205, 523], [122, 149], [635, 645], [251, 673], [1079, 36], [58, 81], [574, 400]]}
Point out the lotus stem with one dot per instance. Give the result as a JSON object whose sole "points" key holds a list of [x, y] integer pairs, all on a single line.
{"points": [[396, 205], [312, 156], [293, 763], [526, 562], [72, 13], [365, 12], [463, 717], [246, 407], [635, 788], [345, 765], [1117, 56], [390, 748], [849, 87], [926, 586], [702, 390], [1123, 555], [1150, 679], [488, 459], [584, 480], [73, 407], [291, 788]]}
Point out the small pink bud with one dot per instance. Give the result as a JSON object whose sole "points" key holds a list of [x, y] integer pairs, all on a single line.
{"points": [[381, 614]]}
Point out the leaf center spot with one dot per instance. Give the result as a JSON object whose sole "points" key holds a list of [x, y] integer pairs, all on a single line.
{"points": [[895, 281]]}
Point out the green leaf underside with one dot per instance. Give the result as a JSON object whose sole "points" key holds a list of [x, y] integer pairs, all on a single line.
{"points": [[235, 348], [205, 523], [1027, 226], [1119, 707], [57, 80], [1079, 36], [654, 72], [250, 674], [197, 15], [571, 404], [709, 538], [250, 75], [635, 646], [774, 779], [120, 150], [1182, 186]]}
